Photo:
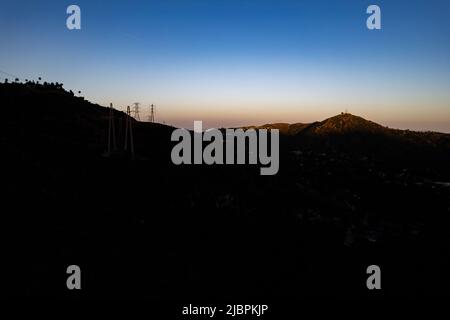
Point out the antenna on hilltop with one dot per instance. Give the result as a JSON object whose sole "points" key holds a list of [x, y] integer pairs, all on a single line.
{"points": [[151, 118], [136, 111]]}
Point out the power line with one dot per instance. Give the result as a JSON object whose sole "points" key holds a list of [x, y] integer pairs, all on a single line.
{"points": [[13, 76], [9, 74]]}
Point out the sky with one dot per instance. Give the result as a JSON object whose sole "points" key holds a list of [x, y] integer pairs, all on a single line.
{"points": [[241, 62]]}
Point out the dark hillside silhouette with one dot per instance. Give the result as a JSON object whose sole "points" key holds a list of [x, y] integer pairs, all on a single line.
{"points": [[349, 193]]}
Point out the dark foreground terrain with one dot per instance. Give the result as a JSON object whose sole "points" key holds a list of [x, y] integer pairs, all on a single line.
{"points": [[349, 193]]}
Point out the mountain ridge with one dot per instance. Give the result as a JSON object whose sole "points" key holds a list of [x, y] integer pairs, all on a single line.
{"points": [[344, 122], [349, 125], [59, 107]]}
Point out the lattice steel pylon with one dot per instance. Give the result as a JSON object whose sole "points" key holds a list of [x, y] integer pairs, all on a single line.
{"points": [[136, 111], [111, 131], [129, 132], [151, 118]]}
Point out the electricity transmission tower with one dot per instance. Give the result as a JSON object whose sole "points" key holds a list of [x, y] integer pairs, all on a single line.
{"points": [[129, 132], [151, 118], [136, 111], [111, 131]]}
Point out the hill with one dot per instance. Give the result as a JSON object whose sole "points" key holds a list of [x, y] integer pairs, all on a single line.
{"points": [[45, 119], [339, 124], [348, 193], [348, 124]]}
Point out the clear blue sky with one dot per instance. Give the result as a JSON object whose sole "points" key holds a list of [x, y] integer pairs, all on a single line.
{"points": [[233, 62]]}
